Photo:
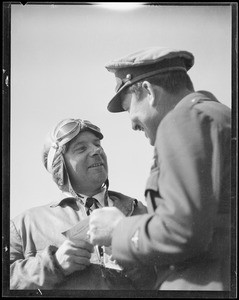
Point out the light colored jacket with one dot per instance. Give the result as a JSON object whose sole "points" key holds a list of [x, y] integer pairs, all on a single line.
{"points": [[186, 234], [35, 236]]}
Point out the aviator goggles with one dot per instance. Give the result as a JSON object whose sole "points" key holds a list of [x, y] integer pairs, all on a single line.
{"points": [[65, 132]]}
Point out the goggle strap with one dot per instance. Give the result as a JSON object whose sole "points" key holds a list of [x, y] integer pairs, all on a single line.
{"points": [[52, 151], [50, 158], [71, 191]]}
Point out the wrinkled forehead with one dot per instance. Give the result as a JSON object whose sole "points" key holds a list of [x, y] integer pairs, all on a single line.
{"points": [[84, 137]]}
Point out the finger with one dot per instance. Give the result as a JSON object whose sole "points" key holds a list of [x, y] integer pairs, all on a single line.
{"points": [[88, 234], [94, 240], [91, 231], [95, 216], [81, 253], [82, 244], [73, 250], [79, 260], [96, 212]]}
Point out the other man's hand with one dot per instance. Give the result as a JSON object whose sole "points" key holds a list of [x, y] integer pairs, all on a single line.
{"points": [[102, 224]]}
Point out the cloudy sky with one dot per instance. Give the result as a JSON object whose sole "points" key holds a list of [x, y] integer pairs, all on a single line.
{"points": [[58, 54]]}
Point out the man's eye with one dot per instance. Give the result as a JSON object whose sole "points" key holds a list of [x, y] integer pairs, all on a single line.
{"points": [[80, 149]]}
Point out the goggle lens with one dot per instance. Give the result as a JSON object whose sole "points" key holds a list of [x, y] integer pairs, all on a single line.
{"points": [[66, 130], [72, 126]]}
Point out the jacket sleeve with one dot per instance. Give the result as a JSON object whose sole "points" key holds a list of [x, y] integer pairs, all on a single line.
{"points": [[182, 223], [38, 271]]}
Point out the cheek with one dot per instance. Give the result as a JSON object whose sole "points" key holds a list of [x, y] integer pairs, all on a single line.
{"points": [[138, 109], [135, 113], [74, 164], [104, 157], [80, 166], [139, 115]]}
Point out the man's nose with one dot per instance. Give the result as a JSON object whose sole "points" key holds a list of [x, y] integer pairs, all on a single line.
{"points": [[96, 150], [135, 126]]}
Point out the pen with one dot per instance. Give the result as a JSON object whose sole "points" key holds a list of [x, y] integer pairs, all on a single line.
{"points": [[100, 254], [101, 251]]}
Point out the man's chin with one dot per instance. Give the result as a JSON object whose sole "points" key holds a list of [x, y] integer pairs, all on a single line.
{"points": [[151, 141], [100, 179]]}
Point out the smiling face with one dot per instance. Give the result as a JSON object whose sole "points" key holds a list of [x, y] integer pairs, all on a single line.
{"points": [[143, 115], [86, 163]]}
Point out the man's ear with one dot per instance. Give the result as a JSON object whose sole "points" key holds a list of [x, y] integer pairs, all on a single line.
{"points": [[151, 92], [155, 93]]}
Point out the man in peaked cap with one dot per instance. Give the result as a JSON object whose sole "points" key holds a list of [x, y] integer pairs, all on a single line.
{"points": [[185, 236], [49, 247]]}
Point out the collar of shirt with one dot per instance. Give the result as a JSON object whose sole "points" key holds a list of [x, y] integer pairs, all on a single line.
{"points": [[100, 197]]}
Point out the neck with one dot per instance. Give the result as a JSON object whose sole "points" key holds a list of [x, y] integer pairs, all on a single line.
{"points": [[171, 100], [182, 94], [89, 193], [167, 102]]}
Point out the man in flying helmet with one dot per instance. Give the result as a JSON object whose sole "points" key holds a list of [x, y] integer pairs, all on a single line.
{"points": [[50, 248]]}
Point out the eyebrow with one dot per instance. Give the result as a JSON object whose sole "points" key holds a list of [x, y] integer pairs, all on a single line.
{"points": [[79, 143], [76, 144]]}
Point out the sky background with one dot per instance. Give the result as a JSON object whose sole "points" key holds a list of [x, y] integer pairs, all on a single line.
{"points": [[58, 54]]}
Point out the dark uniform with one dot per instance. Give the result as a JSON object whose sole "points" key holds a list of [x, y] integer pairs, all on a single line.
{"points": [[185, 237]]}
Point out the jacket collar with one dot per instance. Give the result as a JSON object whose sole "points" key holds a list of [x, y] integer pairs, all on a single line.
{"points": [[68, 198], [199, 95], [63, 200], [124, 203]]}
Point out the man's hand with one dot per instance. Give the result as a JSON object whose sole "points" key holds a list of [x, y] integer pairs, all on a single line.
{"points": [[102, 224], [74, 255]]}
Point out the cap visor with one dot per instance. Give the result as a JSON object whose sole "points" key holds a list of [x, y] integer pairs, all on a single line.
{"points": [[115, 104]]}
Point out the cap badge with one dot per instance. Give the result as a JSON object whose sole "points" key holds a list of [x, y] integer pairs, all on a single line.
{"points": [[121, 82], [128, 76]]}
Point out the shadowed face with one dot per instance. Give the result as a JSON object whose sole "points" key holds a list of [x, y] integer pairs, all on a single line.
{"points": [[86, 163], [142, 115]]}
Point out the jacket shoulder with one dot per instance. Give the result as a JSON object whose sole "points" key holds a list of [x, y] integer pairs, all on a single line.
{"points": [[127, 204], [195, 108], [30, 214]]}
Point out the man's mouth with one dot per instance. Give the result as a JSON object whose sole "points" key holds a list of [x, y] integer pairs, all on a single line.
{"points": [[140, 128], [96, 165]]}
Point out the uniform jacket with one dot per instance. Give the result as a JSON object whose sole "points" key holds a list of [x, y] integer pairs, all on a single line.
{"points": [[185, 236], [36, 234]]}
